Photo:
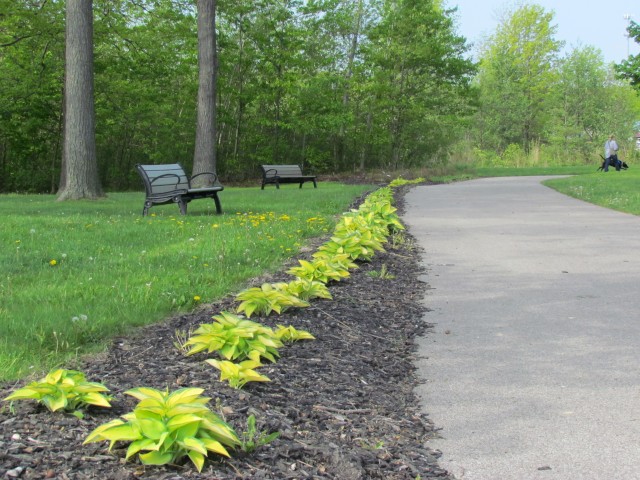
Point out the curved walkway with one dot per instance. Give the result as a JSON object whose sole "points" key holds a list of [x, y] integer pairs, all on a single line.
{"points": [[533, 368]]}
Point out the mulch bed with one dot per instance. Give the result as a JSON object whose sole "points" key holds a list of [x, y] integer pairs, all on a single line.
{"points": [[344, 404]]}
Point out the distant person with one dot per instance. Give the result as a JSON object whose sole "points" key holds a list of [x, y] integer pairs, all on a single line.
{"points": [[611, 154]]}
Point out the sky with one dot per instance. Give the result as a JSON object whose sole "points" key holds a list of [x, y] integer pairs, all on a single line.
{"points": [[600, 24]]}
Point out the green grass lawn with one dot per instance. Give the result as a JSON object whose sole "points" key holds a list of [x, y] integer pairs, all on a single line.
{"points": [[615, 190], [74, 274]]}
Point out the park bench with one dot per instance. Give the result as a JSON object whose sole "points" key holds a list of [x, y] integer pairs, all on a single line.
{"points": [[170, 184], [278, 174]]}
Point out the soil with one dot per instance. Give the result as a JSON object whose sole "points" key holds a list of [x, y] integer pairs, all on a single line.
{"points": [[344, 404]]}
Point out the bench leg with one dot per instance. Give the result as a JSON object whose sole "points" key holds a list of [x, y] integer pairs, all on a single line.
{"points": [[182, 204], [315, 185], [218, 206]]}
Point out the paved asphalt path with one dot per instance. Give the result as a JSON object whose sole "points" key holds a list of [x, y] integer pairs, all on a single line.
{"points": [[533, 368]]}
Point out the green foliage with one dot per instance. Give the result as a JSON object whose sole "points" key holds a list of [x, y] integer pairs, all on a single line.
{"points": [[239, 374], [65, 390], [630, 68], [305, 289], [234, 337], [324, 269], [168, 427], [398, 182], [252, 438], [266, 299], [290, 334]]}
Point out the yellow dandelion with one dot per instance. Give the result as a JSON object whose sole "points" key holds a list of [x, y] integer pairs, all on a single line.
{"points": [[196, 298], [53, 262]]}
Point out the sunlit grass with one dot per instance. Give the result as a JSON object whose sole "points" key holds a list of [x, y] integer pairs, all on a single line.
{"points": [[615, 190], [75, 274]]}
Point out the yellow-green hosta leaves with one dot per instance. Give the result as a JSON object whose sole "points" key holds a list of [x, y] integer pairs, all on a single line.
{"points": [[239, 374], [290, 334], [267, 299], [305, 289], [165, 427], [234, 337], [324, 269], [64, 390]]}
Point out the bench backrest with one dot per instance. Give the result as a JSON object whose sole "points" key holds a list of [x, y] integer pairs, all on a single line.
{"points": [[163, 178], [281, 170]]}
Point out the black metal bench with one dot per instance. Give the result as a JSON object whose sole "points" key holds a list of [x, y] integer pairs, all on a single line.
{"points": [[278, 174], [170, 184]]}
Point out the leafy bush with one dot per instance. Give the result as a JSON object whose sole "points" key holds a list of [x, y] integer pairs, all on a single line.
{"points": [[324, 268], [305, 289], [239, 374], [169, 426], [234, 337], [64, 389], [267, 299], [290, 334]]}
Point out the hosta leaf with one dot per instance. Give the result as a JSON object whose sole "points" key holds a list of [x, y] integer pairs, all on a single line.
{"points": [[191, 443], [215, 446], [138, 445], [183, 395], [220, 430], [197, 459], [54, 403], [144, 392], [187, 408], [97, 399], [189, 430], [124, 432], [25, 393], [181, 420], [152, 428], [96, 434], [88, 387], [155, 458], [54, 376]]}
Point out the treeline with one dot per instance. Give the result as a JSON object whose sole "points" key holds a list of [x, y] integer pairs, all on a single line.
{"points": [[537, 105], [335, 85]]}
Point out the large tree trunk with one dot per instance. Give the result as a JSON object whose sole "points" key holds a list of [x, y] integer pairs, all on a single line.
{"points": [[204, 159], [79, 177]]}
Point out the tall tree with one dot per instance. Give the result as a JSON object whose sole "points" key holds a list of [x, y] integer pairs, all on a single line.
{"points": [[204, 159], [630, 68], [79, 176], [517, 76]]}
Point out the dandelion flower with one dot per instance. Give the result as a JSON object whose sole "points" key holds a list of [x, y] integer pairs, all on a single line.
{"points": [[53, 262], [196, 298]]}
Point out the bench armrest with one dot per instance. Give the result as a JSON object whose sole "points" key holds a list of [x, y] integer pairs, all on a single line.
{"points": [[167, 175], [275, 172], [214, 175]]}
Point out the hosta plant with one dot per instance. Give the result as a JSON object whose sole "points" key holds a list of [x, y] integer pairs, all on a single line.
{"points": [[66, 390], [324, 269], [239, 374], [290, 334], [166, 427], [234, 337], [305, 289], [267, 299], [357, 245]]}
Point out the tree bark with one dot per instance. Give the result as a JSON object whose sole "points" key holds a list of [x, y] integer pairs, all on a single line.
{"points": [[204, 159], [79, 177]]}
